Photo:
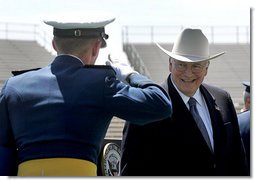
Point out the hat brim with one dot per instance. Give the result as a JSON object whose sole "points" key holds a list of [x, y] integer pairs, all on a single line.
{"points": [[188, 58], [65, 24]]}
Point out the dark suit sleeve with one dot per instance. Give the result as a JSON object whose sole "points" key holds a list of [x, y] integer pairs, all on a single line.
{"points": [[233, 155], [237, 158], [241, 162]]}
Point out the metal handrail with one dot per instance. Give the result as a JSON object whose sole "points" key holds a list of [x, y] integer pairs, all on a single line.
{"points": [[135, 60], [167, 34], [26, 31]]}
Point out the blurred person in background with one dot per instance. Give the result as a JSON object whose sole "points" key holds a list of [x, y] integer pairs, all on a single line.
{"points": [[53, 120], [246, 96], [244, 120], [202, 136]]}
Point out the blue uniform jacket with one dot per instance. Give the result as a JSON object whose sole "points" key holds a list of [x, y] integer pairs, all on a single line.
{"points": [[64, 109], [244, 121]]}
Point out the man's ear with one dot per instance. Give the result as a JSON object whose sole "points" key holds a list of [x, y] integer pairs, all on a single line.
{"points": [[96, 47], [248, 101], [54, 46], [207, 67], [170, 65]]}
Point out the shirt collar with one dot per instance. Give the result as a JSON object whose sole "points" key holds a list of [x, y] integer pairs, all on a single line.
{"points": [[197, 95]]}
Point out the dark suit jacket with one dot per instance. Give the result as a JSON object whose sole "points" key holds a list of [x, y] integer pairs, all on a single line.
{"points": [[175, 146]]}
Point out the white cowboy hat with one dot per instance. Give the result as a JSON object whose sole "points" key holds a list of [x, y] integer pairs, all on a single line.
{"points": [[190, 46]]}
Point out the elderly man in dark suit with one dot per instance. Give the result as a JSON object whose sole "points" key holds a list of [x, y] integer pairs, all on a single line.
{"points": [[202, 137]]}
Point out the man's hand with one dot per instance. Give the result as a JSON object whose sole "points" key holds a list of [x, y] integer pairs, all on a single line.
{"points": [[122, 69]]}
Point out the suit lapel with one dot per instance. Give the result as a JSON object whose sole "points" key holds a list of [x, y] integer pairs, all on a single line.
{"points": [[178, 104], [216, 119], [182, 115], [186, 118]]}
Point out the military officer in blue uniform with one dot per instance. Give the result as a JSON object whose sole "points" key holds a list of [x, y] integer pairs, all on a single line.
{"points": [[54, 119]]}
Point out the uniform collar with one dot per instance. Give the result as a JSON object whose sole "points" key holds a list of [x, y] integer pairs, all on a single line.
{"points": [[63, 57], [72, 56]]}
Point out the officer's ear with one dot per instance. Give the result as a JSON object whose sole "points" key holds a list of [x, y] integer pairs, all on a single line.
{"points": [[96, 47], [54, 45]]}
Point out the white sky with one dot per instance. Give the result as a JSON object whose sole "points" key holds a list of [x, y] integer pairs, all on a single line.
{"points": [[136, 12], [133, 12]]}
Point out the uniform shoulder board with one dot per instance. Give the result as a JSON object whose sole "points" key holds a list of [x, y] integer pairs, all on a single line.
{"points": [[18, 72], [98, 66]]}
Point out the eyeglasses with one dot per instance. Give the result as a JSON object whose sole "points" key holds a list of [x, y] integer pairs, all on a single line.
{"points": [[195, 67]]}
